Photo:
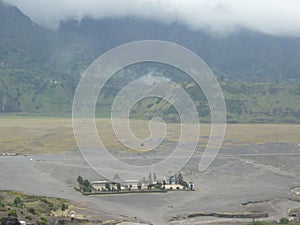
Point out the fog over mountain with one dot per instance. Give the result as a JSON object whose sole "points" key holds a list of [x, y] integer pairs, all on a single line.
{"points": [[276, 17], [255, 53]]}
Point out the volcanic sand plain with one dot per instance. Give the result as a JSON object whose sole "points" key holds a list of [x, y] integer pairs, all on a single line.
{"points": [[254, 170]]}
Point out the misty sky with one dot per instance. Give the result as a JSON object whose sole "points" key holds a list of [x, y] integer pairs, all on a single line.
{"points": [[278, 17]]}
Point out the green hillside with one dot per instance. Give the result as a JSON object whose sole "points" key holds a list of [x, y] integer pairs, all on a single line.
{"points": [[40, 68], [246, 102]]}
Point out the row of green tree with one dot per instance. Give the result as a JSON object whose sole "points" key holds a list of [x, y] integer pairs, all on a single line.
{"points": [[84, 184]]}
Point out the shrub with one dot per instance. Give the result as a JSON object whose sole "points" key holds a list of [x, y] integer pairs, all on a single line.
{"points": [[64, 206], [32, 211], [44, 219], [18, 202], [39, 222], [28, 217], [12, 213], [44, 200], [61, 222], [284, 221]]}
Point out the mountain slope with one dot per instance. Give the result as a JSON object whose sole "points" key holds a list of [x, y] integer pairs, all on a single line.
{"points": [[29, 77], [243, 55], [40, 68]]}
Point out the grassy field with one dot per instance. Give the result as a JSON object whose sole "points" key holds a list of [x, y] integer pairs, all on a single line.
{"points": [[25, 134]]}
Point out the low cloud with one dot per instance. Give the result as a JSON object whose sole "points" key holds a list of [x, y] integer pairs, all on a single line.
{"points": [[277, 17]]}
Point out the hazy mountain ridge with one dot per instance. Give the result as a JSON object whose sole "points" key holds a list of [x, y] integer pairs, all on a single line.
{"points": [[243, 55], [29, 74], [39, 68]]}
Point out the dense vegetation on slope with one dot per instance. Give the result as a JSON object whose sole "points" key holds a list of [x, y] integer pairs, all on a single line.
{"points": [[29, 78], [40, 68], [246, 102]]}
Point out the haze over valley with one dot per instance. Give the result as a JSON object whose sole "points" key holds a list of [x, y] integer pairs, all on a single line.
{"points": [[61, 163]]}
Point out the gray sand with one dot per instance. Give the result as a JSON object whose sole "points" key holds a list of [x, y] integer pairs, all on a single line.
{"points": [[239, 174]]}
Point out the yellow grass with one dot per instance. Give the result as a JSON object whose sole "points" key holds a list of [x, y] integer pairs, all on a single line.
{"points": [[50, 135]]}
